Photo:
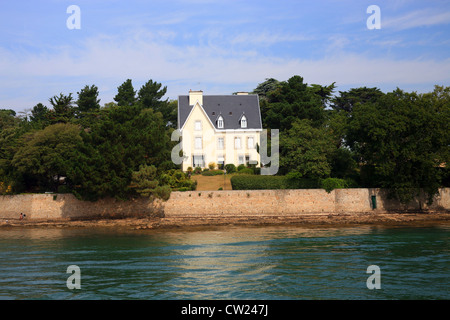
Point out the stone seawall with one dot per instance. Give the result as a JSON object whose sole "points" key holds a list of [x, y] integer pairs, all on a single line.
{"points": [[215, 204], [66, 206], [293, 202]]}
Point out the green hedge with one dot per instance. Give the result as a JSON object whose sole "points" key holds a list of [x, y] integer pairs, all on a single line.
{"points": [[258, 182], [212, 172], [246, 171], [251, 182], [292, 181]]}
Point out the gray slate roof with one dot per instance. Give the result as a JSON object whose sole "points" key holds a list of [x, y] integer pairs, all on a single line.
{"points": [[231, 107]]}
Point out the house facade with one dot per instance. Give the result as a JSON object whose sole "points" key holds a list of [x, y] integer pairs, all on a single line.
{"points": [[220, 129]]}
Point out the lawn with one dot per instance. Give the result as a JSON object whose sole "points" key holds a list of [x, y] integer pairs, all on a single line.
{"points": [[210, 183]]}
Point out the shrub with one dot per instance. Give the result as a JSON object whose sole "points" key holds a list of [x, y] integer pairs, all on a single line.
{"points": [[230, 168], [240, 167], [295, 180], [145, 180], [330, 184], [351, 183], [257, 182], [252, 182], [189, 169], [211, 165], [253, 166], [246, 171], [198, 170], [5, 188], [177, 179], [294, 175], [162, 192], [166, 165], [211, 172], [64, 189]]}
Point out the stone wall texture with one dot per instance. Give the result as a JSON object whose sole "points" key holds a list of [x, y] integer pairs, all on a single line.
{"points": [[216, 203], [293, 202], [66, 206]]}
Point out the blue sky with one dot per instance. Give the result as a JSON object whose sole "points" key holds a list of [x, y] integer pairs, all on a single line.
{"points": [[218, 46]]}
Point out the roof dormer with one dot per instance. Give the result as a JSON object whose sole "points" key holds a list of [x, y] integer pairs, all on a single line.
{"points": [[243, 121], [220, 122]]}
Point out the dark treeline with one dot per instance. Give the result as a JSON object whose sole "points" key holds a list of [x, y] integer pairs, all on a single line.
{"points": [[357, 138], [77, 146], [361, 137]]}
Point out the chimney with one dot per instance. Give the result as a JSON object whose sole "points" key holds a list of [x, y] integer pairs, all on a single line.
{"points": [[195, 96]]}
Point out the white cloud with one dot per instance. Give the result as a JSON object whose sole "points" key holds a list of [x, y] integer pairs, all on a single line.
{"points": [[414, 19], [107, 61], [266, 38], [146, 55]]}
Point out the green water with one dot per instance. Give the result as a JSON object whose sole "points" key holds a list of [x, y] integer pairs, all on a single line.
{"points": [[226, 263]]}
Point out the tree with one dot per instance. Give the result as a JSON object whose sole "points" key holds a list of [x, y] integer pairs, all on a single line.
{"points": [[270, 84], [347, 100], [8, 146], [293, 99], [324, 92], [145, 181], [306, 150], [402, 138], [12, 128], [97, 151], [88, 99], [63, 109], [343, 164], [118, 143], [126, 95], [7, 118], [150, 94], [48, 154], [177, 180], [39, 113], [170, 114]]}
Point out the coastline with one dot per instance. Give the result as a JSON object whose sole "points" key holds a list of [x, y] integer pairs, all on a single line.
{"points": [[311, 220]]}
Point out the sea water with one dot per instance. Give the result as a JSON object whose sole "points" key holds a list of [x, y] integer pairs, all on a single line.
{"points": [[267, 263]]}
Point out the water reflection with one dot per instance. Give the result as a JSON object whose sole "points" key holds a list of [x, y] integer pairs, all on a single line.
{"points": [[220, 261]]}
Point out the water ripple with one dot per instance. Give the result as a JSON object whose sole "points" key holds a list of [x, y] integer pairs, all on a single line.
{"points": [[233, 263]]}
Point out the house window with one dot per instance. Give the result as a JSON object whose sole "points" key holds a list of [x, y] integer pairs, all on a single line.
{"points": [[220, 122], [243, 122], [198, 161], [237, 143], [250, 143], [247, 159], [198, 125], [241, 160], [220, 144], [198, 142]]}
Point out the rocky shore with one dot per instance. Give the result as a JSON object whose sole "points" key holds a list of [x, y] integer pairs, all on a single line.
{"points": [[144, 223]]}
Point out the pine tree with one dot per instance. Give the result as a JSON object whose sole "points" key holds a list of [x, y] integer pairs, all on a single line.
{"points": [[88, 99], [126, 95]]}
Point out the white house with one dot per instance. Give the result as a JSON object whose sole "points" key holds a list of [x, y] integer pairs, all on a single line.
{"points": [[221, 129]]}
